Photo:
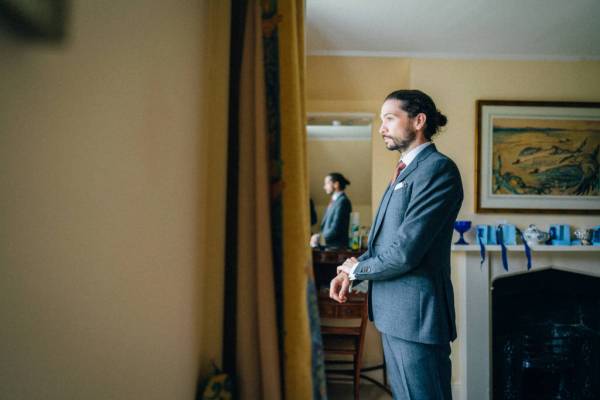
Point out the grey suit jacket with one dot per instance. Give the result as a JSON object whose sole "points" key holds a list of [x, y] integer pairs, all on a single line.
{"points": [[408, 258], [336, 222]]}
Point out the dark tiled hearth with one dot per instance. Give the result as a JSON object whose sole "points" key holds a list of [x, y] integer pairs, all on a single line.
{"points": [[546, 336]]}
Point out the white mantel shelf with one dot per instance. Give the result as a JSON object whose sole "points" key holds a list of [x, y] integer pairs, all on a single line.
{"points": [[521, 248]]}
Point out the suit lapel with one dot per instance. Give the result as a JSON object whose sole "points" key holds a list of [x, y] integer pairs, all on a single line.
{"points": [[413, 165], [388, 193], [380, 213]]}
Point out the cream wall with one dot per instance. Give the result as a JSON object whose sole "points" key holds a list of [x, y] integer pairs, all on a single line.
{"points": [[355, 84], [456, 85], [105, 287], [351, 158], [359, 84]]}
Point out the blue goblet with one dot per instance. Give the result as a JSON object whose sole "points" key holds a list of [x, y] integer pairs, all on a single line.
{"points": [[461, 227]]}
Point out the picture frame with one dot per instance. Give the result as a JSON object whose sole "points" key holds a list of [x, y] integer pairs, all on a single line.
{"points": [[537, 157]]}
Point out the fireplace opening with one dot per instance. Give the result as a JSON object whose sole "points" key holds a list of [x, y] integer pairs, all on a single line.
{"points": [[546, 336]]}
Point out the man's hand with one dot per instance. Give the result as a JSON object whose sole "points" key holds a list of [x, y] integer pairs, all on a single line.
{"points": [[347, 266], [338, 290], [314, 240]]}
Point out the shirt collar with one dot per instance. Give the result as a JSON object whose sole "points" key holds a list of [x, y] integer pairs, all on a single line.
{"points": [[411, 155], [335, 195]]}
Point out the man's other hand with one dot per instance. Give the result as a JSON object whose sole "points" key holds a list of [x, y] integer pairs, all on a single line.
{"points": [[338, 289]]}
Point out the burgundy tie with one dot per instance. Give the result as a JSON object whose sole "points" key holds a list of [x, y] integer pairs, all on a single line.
{"points": [[399, 167]]}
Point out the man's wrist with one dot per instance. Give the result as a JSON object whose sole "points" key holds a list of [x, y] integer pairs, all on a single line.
{"points": [[351, 275]]}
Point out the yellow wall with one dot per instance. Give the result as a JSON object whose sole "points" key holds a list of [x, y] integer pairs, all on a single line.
{"points": [[355, 84], [106, 291], [358, 84], [351, 158], [456, 85]]}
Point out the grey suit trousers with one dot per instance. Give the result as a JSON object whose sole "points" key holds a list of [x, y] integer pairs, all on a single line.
{"points": [[417, 371]]}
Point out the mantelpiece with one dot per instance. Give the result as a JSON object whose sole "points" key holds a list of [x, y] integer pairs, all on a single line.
{"points": [[536, 249], [475, 281]]}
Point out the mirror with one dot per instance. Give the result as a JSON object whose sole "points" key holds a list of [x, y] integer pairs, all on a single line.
{"points": [[341, 142]]}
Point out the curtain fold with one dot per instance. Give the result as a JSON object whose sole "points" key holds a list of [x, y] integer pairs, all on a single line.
{"points": [[257, 342], [269, 340]]}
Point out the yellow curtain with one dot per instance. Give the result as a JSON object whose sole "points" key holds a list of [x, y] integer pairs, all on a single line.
{"points": [[259, 234], [297, 255], [258, 368]]}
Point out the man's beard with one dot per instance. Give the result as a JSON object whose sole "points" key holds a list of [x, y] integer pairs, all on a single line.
{"points": [[403, 144]]}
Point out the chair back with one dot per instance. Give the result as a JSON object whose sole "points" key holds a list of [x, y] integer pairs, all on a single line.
{"points": [[354, 308]]}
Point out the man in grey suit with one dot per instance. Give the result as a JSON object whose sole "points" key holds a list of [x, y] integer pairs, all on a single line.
{"points": [[407, 264], [336, 220]]}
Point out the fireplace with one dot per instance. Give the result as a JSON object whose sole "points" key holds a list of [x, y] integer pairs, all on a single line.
{"points": [[546, 336], [527, 334]]}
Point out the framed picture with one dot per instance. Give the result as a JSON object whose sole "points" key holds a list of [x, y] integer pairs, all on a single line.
{"points": [[538, 157]]}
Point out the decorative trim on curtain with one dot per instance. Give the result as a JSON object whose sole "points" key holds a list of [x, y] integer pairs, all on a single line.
{"points": [[268, 346], [270, 18]]}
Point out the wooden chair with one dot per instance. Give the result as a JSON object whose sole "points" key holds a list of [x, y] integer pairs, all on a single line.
{"points": [[346, 340]]}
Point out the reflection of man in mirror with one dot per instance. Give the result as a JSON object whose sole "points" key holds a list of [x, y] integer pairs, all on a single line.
{"points": [[407, 264], [334, 227]]}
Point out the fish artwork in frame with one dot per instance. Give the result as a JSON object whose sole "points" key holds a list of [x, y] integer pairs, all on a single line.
{"points": [[535, 156]]}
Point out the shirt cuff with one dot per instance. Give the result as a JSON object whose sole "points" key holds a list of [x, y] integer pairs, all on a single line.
{"points": [[351, 274]]}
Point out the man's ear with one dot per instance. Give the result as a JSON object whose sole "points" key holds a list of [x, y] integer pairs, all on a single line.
{"points": [[419, 121]]}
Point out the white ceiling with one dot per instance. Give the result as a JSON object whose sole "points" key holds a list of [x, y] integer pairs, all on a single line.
{"points": [[506, 29]]}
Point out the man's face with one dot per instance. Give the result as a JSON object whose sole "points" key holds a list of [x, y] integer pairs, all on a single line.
{"points": [[328, 185], [397, 128]]}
